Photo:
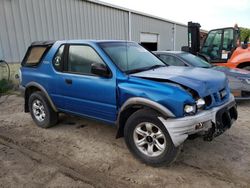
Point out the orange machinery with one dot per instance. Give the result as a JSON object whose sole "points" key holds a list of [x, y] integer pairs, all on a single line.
{"points": [[221, 46]]}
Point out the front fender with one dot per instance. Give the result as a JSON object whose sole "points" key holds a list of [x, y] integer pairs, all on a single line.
{"points": [[142, 102], [146, 102]]}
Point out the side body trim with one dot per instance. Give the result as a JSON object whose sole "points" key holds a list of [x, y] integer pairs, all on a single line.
{"points": [[140, 101], [146, 102]]}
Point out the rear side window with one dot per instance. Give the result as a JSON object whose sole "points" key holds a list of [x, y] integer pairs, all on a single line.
{"points": [[171, 60], [34, 55], [58, 59]]}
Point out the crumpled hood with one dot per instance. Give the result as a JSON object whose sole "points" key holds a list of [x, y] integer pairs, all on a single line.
{"points": [[204, 81]]}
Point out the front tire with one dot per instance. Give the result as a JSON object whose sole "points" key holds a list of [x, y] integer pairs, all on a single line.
{"points": [[41, 112], [148, 139]]}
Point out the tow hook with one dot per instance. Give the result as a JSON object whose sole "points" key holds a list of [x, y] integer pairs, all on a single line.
{"points": [[209, 136]]}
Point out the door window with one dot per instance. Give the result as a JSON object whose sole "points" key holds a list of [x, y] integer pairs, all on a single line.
{"points": [[80, 59], [228, 40]]}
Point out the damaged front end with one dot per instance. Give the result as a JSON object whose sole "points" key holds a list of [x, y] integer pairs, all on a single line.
{"points": [[207, 123], [224, 120], [201, 101]]}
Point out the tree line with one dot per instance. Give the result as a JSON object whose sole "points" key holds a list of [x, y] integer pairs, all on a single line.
{"points": [[244, 33]]}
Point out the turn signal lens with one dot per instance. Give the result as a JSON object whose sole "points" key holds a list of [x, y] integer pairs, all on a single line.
{"points": [[200, 103]]}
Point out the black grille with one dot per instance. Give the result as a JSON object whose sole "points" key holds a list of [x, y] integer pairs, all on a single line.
{"points": [[245, 94], [216, 98], [208, 100]]}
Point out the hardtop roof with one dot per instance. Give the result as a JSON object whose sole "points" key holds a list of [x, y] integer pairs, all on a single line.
{"points": [[42, 43]]}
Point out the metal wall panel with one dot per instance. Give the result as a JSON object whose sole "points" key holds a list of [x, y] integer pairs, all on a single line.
{"points": [[145, 24], [24, 21], [181, 37]]}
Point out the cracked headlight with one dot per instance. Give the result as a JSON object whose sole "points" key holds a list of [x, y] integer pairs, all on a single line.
{"points": [[200, 103], [190, 109]]}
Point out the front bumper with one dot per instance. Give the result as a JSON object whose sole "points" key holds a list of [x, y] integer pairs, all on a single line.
{"points": [[218, 118]]}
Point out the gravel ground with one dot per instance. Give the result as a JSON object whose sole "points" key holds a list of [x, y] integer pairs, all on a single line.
{"points": [[83, 153]]}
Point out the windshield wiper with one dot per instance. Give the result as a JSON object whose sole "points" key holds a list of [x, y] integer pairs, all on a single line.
{"points": [[155, 67], [206, 67], [144, 69]]}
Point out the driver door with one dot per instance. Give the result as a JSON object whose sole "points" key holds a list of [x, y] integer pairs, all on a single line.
{"points": [[82, 92]]}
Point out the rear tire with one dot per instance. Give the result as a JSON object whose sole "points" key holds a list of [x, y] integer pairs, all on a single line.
{"points": [[246, 68], [148, 139], [41, 112]]}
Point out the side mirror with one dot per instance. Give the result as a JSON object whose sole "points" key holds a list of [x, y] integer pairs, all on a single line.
{"points": [[100, 70], [185, 49]]}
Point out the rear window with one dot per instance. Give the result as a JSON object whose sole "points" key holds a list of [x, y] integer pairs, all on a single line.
{"points": [[34, 55]]}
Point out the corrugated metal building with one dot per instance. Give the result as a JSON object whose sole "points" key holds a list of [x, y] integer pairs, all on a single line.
{"points": [[24, 21]]}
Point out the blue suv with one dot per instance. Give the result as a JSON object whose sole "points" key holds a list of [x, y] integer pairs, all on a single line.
{"points": [[154, 106]]}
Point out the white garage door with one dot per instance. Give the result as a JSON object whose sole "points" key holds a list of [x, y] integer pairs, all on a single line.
{"points": [[149, 37]]}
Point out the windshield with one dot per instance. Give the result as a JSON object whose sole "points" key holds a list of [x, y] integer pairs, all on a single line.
{"points": [[130, 57], [195, 60]]}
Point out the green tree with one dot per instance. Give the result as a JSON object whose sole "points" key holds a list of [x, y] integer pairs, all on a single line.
{"points": [[244, 32]]}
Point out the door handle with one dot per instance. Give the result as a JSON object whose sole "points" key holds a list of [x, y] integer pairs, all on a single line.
{"points": [[68, 81]]}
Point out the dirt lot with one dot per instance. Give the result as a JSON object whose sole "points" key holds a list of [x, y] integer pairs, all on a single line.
{"points": [[83, 153]]}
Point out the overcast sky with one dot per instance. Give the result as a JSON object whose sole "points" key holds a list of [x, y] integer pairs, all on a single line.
{"points": [[210, 14]]}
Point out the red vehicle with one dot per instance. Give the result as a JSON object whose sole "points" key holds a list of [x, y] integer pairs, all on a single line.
{"points": [[221, 46]]}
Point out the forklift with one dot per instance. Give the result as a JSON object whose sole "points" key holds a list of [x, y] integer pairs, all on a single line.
{"points": [[221, 46]]}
